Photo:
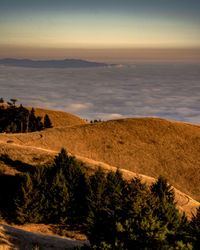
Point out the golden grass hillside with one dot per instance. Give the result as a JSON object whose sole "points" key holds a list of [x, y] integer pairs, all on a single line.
{"points": [[147, 146], [60, 118]]}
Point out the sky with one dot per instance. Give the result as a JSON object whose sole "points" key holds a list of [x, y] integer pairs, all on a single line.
{"points": [[56, 28]]}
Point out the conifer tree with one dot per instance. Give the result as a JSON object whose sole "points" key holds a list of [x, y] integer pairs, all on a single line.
{"points": [[58, 199], [23, 200], [97, 186], [62, 159], [40, 195], [75, 181], [19, 120], [165, 203], [47, 122], [103, 219], [13, 101], [195, 229], [39, 123], [32, 121], [32, 197]]}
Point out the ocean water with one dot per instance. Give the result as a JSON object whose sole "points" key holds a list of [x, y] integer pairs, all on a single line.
{"points": [[168, 90]]}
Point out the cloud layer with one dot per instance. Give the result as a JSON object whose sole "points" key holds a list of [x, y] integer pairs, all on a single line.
{"points": [[163, 90]]}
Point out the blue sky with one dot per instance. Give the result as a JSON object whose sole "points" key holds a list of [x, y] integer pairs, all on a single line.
{"points": [[178, 7]]}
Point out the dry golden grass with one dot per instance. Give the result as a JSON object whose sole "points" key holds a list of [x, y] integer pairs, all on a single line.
{"points": [[60, 118], [147, 146]]}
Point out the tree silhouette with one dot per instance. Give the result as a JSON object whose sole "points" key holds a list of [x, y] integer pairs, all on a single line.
{"points": [[13, 101], [15, 119], [47, 122], [195, 229]]}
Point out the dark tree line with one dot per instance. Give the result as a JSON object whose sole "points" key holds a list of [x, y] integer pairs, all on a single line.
{"points": [[114, 213], [15, 119]]}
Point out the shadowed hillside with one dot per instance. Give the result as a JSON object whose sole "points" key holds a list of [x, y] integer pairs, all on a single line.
{"points": [[28, 238], [147, 146]]}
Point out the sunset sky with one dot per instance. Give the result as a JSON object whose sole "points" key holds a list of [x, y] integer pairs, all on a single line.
{"points": [[49, 28]]}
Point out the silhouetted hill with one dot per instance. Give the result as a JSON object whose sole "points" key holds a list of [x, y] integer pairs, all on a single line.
{"points": [[66, 63]]}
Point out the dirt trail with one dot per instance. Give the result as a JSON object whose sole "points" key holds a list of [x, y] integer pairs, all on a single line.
{"points": [[30, 147]]}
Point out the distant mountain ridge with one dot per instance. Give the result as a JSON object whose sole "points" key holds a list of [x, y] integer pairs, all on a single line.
{"points": [[66, 63]]}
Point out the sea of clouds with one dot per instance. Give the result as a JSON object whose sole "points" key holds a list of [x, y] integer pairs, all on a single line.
{"points": [[165, 90]]}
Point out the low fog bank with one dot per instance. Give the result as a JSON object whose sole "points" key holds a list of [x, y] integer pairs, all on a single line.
{"points": [[168, 90]]}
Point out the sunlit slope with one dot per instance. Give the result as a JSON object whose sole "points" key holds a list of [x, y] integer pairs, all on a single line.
{"points": [[147, 146], [59, 118]]}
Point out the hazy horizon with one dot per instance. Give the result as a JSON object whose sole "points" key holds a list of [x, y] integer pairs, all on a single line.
{"points": [[104, 30], [106, 55]]}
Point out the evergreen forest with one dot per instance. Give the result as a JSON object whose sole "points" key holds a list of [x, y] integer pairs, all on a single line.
{"points": [[114, 213]]}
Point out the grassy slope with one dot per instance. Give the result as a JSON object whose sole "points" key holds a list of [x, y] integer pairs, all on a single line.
{"points": [[147, 146], [60, 118]]}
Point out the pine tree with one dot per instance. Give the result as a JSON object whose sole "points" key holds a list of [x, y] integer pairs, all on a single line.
{"points": [[23, 200], [165, 209], [47, 122], [13, 101], [39, 123], [97, 186], [104, 218], [32, 121], [166, 206], [195, 229], [76, 180], [62, 159], [58, 199], [32, 197]]}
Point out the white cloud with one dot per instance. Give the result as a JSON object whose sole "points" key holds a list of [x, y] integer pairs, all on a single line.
{"points": [[74, 107], [111, 116]]}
